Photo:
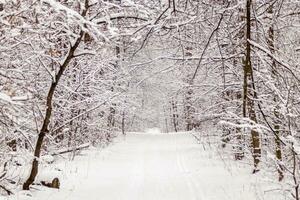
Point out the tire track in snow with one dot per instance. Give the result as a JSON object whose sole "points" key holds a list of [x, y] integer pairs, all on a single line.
{"points": [[192, 172], [184, 171], [137, 173]]}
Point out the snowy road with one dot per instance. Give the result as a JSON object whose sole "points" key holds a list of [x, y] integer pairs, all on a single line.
{"points": [[152, 167]]}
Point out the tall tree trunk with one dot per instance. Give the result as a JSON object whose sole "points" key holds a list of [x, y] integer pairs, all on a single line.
{"points": [[112, 109], [271, 44], [44, 130], [248, 90]]}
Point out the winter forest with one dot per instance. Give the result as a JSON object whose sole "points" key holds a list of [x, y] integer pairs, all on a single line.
{"points": [[149, 99]]}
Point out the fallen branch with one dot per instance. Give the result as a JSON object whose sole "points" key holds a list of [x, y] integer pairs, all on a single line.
{"points": [[54, 184], [68, 150]]}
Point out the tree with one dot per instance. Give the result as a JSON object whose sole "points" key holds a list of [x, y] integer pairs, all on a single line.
{"points": [[248, 95]]}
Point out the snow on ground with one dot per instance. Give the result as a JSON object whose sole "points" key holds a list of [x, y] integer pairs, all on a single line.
{"points": [[153, 131], [151, 167]]}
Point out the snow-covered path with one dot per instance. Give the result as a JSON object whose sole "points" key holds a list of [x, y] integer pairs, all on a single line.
{"points": [[152, 167]]}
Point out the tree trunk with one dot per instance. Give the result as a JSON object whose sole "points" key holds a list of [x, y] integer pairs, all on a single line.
{"points": [[111, 116], [248, 90], [189, 110], [294, 173], [123, 123], [44, 130], [174, 115], [271, 45]]}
